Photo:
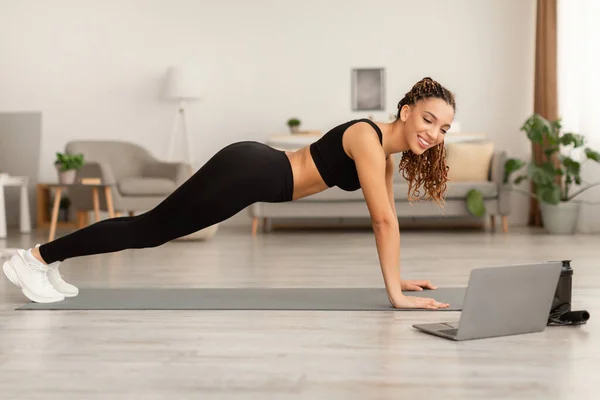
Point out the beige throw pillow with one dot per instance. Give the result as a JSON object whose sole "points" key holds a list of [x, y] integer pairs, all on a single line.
{"points": [[469, 161]]}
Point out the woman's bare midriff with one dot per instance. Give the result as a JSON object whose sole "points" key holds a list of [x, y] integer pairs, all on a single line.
{"points": [[307, 180]]}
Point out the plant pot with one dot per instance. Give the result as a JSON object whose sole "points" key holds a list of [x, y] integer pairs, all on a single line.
{"points": [[560, 219], [67, 177], [295, 129]]}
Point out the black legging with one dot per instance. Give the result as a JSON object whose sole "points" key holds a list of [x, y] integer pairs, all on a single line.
{"points": [[237, 176]]}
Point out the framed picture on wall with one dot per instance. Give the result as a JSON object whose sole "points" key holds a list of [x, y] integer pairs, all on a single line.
{"points": [[368, 89]]}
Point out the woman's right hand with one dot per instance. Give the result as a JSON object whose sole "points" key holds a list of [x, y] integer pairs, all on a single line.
{"points": [[417, 302]]}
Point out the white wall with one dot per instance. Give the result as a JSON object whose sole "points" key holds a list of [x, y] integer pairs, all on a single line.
{"points": [[94, 68]]}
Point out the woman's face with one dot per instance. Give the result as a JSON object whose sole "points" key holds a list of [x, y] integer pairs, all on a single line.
{"points": [[426, 123]]}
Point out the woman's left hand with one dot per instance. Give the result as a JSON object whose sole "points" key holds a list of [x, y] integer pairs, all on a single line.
{"points": [[417, 286]]}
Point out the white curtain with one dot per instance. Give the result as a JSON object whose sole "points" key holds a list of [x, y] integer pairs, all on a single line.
{"points": [[578, 70]]}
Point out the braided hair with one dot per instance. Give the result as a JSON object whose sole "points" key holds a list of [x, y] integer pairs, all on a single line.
{"points": [[428, 169]]}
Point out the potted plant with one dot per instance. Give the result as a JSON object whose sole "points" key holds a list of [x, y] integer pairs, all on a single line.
{"points": [[294, 124], [557, 181], [67, 166]]}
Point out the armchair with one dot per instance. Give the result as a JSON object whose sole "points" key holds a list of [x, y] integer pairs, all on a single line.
{"points": [[140, 180]]}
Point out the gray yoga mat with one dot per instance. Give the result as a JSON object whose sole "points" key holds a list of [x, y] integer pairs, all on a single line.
{"points": [[334, 299]]}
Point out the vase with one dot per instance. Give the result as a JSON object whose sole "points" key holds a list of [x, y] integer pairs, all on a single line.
{"points": [[560, 219], [67, 177]]}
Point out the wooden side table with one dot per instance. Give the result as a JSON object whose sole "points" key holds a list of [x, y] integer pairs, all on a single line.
{"points": [[107, 188]]}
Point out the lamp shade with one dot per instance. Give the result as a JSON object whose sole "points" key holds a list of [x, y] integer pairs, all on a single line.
{"points": [[182, 83]]}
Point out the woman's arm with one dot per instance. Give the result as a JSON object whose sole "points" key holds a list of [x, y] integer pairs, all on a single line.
{"points": [[412, 285], [363, 145]]}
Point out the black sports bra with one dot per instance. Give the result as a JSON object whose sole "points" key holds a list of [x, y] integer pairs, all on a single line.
{"points": [[334, 165]]}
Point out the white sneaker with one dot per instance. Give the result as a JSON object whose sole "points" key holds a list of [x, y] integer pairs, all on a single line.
{"points": [[31, 278], [58, 282]]}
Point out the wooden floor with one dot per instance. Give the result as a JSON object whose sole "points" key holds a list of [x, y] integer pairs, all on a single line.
{"points": [[290, 355]]}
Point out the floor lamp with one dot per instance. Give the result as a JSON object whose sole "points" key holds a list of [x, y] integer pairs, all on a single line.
{"points": [[182, 85]]}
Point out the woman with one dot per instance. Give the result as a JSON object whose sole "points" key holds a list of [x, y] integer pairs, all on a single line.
{"points": [[355, 155]]}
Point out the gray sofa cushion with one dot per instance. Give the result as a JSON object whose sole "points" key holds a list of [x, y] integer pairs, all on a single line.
{"points": [[456, 190], [146, 186]]}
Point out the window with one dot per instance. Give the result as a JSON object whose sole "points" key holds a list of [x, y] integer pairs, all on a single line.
{"points": [[578, 59]]}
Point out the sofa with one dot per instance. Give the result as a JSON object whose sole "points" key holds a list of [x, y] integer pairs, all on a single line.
{"points": [[472, 165]]}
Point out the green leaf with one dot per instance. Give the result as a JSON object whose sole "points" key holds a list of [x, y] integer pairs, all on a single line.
{"points": [[528, 123], [556, 125], [539, 129], [549, 169], [551, 150], [520, 179], [475, 203], [592, 155], [541, 175], [549, 194], [535, 136], [573, 167], [536, 132], [552, 131], [511, 165], [572, 138]]}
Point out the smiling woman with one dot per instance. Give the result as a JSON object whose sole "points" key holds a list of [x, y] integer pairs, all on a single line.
{"points": [[353, 155], [427, 111]]}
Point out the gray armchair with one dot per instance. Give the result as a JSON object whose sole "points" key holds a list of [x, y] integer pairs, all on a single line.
{"points": [[140, 180]]}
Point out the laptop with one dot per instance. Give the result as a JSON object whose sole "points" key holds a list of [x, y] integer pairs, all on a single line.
{"points": [[502, 301]]}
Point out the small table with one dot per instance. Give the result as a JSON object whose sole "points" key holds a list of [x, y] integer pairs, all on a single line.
{"points": [[95, 195], [25, 221]]}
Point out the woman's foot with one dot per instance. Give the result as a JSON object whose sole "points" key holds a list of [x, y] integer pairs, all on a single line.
{"points": [[31, 277], [54, 276]]}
